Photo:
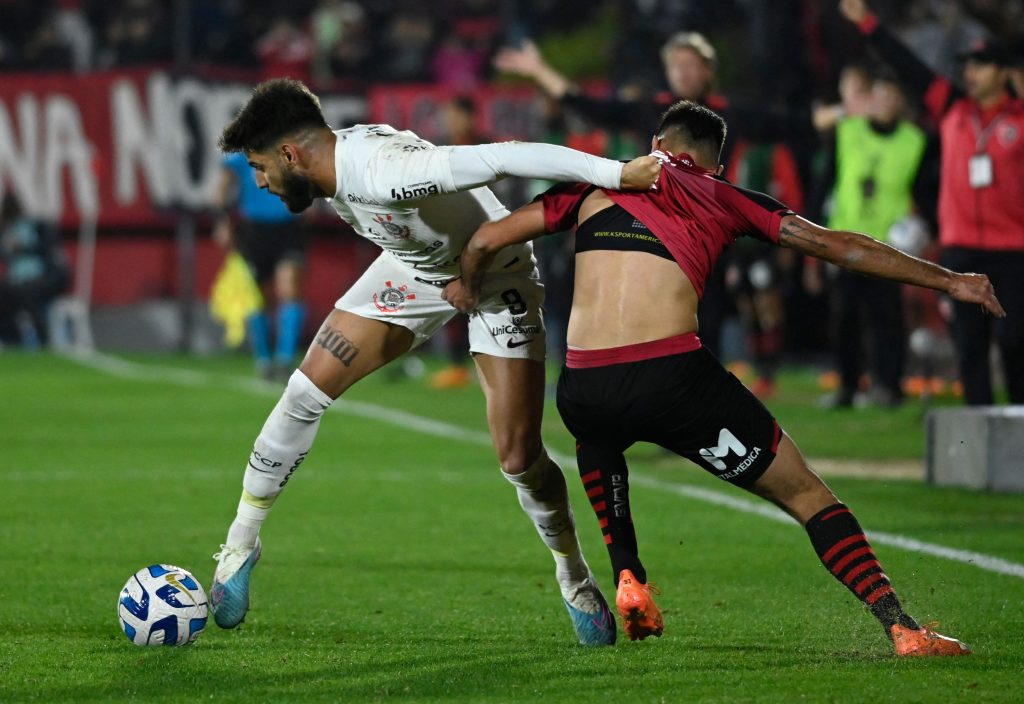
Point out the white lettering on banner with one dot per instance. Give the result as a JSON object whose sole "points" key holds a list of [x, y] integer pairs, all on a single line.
{"points": [[36, 170], [66, 146], [136, 141], [18, 166], [180, 161], [152, 135], [196, 157]]}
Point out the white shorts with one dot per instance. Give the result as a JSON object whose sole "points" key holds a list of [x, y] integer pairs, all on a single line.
{"points": [[508, 321]]}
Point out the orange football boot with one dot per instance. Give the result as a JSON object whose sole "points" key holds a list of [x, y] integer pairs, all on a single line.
{"points": [[453, 377], [925, 642], [641, 617]]}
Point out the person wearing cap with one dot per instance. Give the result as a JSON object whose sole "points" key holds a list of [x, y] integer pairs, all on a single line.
{"points": [[981, 208]]}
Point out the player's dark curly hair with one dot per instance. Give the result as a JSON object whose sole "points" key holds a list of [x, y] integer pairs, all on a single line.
{"points": [[276, 109], [694, 125]]}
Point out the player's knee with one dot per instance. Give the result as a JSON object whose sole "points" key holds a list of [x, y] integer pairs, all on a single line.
{"points": [[516, 455], [513, 461], [302, 400]]}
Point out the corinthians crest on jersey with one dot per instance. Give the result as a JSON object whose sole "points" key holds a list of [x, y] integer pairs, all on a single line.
{"points": [[392, 298], [391, 227]]}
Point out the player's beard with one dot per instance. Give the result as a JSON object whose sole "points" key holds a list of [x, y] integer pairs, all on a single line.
{"points": [[297, 192]]}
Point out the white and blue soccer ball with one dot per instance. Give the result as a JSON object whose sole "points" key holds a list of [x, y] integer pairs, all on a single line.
{"points": [[162, 605]]}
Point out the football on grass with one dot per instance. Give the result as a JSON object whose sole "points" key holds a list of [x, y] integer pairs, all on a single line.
{"points": [[162, 605]]}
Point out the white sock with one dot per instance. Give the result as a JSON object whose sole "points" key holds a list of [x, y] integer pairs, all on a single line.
{"points": [[545, 499], [278, 451]]}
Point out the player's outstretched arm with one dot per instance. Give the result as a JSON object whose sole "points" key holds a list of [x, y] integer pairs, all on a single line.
{"points": [[866, 255], [479, 165], [523, 225]]}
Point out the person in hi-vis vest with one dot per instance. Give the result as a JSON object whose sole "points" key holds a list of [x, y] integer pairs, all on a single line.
{"points": [[877, 161]]}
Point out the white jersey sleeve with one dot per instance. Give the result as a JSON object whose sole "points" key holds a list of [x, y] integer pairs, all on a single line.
{"points": [[479, 165], [408, 168]]}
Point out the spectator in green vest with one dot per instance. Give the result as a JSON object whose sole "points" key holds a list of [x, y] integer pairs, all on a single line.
{"points": [[878, 159]]}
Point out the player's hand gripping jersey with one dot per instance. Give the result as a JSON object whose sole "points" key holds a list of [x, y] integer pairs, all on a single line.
{"points": [[421, 203]]}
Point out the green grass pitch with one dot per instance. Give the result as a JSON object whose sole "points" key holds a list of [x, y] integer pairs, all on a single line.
{"points": [[398, 567]]}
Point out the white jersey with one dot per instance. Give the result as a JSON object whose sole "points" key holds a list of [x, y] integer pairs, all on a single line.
{"points": [[422, 203]]}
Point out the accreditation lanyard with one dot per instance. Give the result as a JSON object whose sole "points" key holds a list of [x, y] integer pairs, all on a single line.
{"points": [[979, 167]]}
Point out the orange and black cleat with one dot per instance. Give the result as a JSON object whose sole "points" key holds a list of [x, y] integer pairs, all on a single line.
{"points": [[641, 617], [925, 642]]}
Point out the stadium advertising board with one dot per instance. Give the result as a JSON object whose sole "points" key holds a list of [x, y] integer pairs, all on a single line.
{"points": [[127, 147]]}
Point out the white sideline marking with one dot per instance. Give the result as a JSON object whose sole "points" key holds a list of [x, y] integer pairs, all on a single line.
{"points": [[187, 377], [981, 560]]}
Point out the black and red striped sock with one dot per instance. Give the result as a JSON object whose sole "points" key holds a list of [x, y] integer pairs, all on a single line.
{"points": [[606, 481], [846, 553]]}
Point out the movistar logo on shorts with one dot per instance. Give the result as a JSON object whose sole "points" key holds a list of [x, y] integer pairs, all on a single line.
{"points": [[729, 444], [417, 190]]}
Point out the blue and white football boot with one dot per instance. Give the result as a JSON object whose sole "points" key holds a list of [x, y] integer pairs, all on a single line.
{"points": [[229, 594], [592, 620]]}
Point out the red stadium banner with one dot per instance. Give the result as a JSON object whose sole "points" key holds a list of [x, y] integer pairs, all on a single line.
{"points": [[128, 147], [133, 148]]}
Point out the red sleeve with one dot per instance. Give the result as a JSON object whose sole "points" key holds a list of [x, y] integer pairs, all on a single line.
{"points": [[760, 215], [562, 205]]}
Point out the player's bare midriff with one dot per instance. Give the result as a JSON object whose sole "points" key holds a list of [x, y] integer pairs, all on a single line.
{"points": [[623, 298]]}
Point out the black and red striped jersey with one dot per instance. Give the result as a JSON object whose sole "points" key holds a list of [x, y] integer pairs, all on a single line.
{"points": [[695, 213]]}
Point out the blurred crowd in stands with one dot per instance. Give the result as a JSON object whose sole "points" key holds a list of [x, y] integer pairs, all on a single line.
{"points": [[786, 47], [788, 75]]}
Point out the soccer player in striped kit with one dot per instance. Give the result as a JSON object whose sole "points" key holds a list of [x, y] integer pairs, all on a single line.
{"points": [[636, 370]]}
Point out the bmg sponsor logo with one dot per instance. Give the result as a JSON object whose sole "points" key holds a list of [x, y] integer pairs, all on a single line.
{"points": [[416, 190]]}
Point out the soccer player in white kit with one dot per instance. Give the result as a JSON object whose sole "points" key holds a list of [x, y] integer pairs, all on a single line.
{"points": [[421, 204]]}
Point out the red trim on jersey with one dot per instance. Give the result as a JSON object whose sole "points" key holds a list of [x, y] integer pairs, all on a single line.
{"points": [[595, 491], [590, 476], [603, 522], [600, 506], [585, 359], [608, 539]]}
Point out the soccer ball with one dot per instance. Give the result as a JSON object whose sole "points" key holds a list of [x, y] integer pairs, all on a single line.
{"points": [[162, 605]]}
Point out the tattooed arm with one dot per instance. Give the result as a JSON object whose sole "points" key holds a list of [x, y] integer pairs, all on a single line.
{"points": [[866, 255]]}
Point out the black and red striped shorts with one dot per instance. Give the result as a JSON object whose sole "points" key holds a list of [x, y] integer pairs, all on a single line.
{"points": [[672, 393]]}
